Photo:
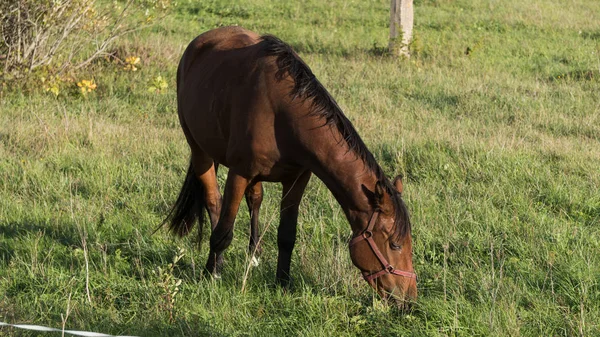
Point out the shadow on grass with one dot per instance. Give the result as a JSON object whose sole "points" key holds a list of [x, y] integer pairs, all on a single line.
{"points": [[344, 52], [576, 75], [14, 230], [65, 235], [193, 326], [592, 35]]}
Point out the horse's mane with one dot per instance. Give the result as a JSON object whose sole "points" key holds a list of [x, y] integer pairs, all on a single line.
{"points": [[306, 86]]}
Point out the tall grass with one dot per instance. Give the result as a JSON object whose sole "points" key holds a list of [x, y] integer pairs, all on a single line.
{"points": [[495, 123]]}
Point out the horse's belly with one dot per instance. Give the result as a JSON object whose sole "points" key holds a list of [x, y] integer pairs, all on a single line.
{"points": [[280, 172], [260, 165]]}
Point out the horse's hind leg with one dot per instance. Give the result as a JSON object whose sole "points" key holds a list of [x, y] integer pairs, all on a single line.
{"points": [[254, 197], [206, 173], [205, 169], [222, 234]]}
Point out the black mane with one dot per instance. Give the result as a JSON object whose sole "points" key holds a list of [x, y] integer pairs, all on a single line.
{"points": [[306, 86]]}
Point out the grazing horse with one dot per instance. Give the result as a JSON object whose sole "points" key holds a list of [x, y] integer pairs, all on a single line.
{"points": [[250, 103]]}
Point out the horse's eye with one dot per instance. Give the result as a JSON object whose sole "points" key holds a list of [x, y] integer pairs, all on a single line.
{"points": [[395, 246]]}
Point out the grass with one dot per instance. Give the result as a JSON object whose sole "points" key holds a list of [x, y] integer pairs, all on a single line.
{"points": [[499, 146]]}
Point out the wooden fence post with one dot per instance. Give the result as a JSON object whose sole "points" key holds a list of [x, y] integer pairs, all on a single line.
{"points": [[401, 25]]}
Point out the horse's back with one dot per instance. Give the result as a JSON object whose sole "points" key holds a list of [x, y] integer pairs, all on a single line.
{"points": [[220, 39]]}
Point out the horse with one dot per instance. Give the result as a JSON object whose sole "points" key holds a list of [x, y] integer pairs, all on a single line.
{"points": [[249, 102]]}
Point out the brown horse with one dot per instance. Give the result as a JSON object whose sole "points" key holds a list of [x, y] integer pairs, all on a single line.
{"points": [[250, 103]]}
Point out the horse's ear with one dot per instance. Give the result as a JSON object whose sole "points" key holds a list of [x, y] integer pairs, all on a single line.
{"points": [[398, 183], [377, 197], [379, 194]]}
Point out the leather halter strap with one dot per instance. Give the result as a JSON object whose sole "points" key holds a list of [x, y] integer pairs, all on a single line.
{"points": [[367, 235]]}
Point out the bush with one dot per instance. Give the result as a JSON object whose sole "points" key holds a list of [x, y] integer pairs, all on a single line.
{"points": [[64, 35]]}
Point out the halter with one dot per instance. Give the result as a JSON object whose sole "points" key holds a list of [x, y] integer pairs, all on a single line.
{"points": [[367, 234]]}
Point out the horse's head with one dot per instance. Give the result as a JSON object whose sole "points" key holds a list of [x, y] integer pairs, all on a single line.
{"points": [[383, 250]]}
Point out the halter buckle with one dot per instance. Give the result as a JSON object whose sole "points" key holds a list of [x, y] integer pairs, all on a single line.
{"points": [[367, 234]]}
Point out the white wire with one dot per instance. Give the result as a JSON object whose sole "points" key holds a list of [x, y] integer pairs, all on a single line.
{"points": [[71, 332]]}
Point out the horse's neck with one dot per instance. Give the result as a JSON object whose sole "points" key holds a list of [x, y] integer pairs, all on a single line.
{"points": [[344, 173]]}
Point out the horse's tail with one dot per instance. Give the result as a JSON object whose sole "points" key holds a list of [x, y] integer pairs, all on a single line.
{"points": [[189, 206]]}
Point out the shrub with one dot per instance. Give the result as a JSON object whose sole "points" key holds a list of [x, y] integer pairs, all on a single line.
{"points": [[64, 35]]}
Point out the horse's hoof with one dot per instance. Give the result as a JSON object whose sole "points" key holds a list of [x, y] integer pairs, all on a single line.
{"points": [[214, 275], [255, 261]]}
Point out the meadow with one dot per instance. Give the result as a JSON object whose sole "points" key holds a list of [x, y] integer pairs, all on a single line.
{"points": [[494, 122]]}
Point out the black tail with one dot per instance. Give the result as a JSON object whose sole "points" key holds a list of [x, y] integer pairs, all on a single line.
{"points": [[189, 206]]}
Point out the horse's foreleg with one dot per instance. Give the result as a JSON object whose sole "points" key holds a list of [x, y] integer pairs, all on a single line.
{"points": [[254, 197], [286, 234]]}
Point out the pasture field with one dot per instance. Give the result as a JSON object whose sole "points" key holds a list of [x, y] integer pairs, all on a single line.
{"points": [[494, 122]]}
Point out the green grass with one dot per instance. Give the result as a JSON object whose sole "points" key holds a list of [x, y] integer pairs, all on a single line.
{"points": [[500, 149]]}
